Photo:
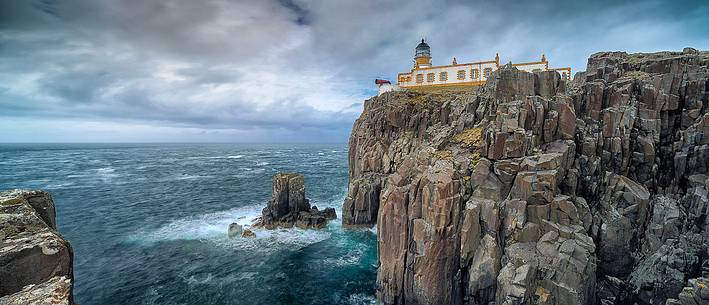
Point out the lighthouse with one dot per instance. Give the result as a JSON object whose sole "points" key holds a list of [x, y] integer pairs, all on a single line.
{"points": [[422, 56], [476, 73]]}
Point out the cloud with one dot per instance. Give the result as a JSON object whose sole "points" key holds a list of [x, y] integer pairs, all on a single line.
{"points": [[269, 70]]}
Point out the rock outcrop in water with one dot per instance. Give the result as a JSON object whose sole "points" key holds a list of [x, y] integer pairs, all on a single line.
{"points": [[537, 190], [36, 262], [289, 206]]}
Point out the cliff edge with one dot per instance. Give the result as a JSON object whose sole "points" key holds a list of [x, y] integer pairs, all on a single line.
{"points": [[36, 263], [536, 190]]}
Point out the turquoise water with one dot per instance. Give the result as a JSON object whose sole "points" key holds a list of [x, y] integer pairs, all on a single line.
{"points": [[148, 222]]}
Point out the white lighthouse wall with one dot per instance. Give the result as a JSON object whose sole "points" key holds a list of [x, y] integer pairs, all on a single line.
{"points": [[534, 67], [452, 72], [405, 80]]}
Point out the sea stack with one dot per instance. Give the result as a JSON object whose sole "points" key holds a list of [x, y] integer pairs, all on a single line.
{"points": [[36, 262], [288, 205]]}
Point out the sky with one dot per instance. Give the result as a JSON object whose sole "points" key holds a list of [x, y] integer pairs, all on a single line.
{"points": [[277, 70]]}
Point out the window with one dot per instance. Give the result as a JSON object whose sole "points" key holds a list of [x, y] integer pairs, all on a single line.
{"points": [[419, 78], [430, 77], [475, 73], [564, 75], [536, 70], [461, 74], [488, 71], [443, 76]]}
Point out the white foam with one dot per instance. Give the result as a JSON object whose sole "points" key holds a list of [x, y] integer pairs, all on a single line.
{"points": [[361, 299], [151, 295], [106, 173], [205, 226], [262, 163], [192, 177], [235, 157], [213, 228], [198, 279], [59, 185], [352, 257]]}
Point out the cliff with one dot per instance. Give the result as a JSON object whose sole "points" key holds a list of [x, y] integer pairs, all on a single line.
{"points": [[536, 190], [36, 263]]}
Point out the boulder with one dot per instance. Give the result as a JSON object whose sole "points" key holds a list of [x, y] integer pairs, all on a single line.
{"points": [[330, 213], [248, 233], [235, 230]]}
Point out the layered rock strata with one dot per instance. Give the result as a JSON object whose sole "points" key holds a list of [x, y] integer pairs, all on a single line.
{"points": [[537, 190], [289, 207], [36, 262]]}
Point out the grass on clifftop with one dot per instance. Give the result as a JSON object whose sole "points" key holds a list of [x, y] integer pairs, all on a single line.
{"points": [[445, 89], [434, 95]]}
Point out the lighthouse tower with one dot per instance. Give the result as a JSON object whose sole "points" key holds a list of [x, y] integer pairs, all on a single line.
{"points": [[422, 57]]}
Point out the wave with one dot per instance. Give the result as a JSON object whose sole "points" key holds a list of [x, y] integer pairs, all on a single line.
{"points": [[151, 295], [216, 157], [192, 177], [212, 227], [361, 299], [106, 174], [251, 170], [59, 185], [352, 257]]}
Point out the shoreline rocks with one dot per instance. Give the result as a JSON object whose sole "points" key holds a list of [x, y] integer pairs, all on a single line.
{"points": [[289, 207], [248, 233], [235, 230], [36, 262]]}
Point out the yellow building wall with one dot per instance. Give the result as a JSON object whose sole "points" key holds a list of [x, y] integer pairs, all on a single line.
{"points": [[474, 74], [431, 76]]}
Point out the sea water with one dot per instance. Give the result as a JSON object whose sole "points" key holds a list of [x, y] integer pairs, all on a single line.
{"points": [[148, 222]]}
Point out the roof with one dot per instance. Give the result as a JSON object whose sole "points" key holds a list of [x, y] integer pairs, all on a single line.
{"points": [[422, 45]]}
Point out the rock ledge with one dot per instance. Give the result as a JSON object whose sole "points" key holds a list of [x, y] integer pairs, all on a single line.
{"points": [[36, 262]]}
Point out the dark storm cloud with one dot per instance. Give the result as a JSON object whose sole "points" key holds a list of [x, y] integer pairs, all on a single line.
{"points": [[277, 65], [301, 15]]}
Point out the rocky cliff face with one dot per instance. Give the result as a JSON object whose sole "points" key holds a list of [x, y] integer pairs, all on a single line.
{"points": [[537, 190], [36, 263]]}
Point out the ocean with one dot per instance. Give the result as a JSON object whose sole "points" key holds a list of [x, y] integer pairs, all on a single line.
{"points": [[148, 222]]}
